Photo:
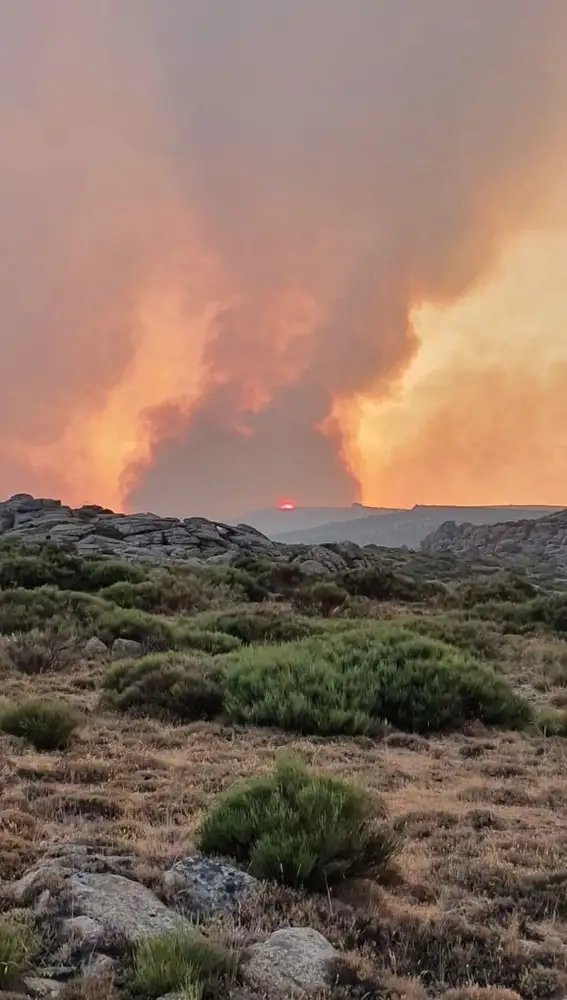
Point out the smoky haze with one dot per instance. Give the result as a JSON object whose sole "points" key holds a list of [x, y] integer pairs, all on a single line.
{"points": [[217, 218]]}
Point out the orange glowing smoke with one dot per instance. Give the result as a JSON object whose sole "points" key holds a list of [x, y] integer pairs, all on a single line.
{"points": [[479, 416], [235, 280]]}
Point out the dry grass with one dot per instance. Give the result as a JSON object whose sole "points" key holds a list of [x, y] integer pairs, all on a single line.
{"points": [[481, 904]]}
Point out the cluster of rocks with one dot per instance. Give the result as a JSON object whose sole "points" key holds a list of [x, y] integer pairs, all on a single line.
{"points": [[94, 909], [195, 540], [541, 540]]}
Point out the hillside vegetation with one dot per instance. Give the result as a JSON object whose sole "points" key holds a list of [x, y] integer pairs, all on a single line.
{"points": [[383, 748]]}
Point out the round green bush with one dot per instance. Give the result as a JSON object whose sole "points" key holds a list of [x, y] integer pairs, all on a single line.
{"points": [[300, 828]]}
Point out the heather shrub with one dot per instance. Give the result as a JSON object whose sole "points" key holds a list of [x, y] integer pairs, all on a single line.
{"points": [[299, 828], [379, 583], [321, 598], [356, 681], [182, 687], [263, 623], [47, 725], [37, 651]]}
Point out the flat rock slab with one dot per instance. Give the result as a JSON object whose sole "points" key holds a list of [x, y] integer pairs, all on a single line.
{"points": [[292, 962], [124, 908], [206, 886]]}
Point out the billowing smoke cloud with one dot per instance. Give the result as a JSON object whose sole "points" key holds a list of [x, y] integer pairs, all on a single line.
{"points": [[219, 217]]}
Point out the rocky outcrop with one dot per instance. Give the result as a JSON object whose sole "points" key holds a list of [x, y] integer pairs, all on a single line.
{"points": [[194, 540], [542, 540], [92, 911], [130, 536]]}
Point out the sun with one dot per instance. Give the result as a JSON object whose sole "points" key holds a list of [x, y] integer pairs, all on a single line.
{"points": [[287, 505]]}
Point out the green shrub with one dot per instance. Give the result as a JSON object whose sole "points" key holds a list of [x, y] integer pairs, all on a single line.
{"points": [[321, 598], [258, 624], [474, 636], [379, 583], [153, 632], [299, 828], [19, 945], [356, 681], [173, 686], [60, 611], [37, 651], [33, 566], [187, 636], [177, 961], [552, 721], [263, 579], [164, 593], [503, 587], [47, 725]]}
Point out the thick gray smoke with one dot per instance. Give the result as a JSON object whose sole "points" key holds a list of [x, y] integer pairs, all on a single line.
{"points": [[341, 161]]}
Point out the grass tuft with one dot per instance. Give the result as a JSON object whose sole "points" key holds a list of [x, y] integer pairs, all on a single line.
{"points": [[182, 961]]}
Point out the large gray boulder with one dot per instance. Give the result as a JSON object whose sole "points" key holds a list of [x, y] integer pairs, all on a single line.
{"points": [[123, 908], [293, 961], [206, 886]]}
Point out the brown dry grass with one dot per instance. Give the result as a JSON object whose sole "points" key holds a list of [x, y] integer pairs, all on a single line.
{"points": [[481, 904]]}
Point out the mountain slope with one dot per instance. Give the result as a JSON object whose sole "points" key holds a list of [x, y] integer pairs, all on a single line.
{"points": [[406, 527]]}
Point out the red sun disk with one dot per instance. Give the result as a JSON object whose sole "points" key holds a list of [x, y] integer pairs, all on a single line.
{"points": [[287, 505]]}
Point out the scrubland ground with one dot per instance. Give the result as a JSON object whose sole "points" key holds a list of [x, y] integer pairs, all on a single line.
{"points": [[473, 780]]}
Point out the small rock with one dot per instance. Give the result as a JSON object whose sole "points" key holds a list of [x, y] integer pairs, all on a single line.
{"points": [[31, 887], [39, 987], [99, 967], [312, 567], [205, 886], [82, 930], [127, 649], [123, 908], [294, 958], [42, 903], [96, 649]]}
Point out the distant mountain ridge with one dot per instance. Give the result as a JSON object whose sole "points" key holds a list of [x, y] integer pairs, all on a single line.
{"points": [[406, 528], [276, 522]]}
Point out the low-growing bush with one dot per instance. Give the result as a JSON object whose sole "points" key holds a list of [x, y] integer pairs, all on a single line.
{"points": [[263, 623], [356, 681], [182, 687], [552, 721], [503, 587], [61, 611], [154, 632], [37, 651], [19, 945], [479, 638], [187, 636], [52, 564], [321, 598], [380, 583], [163, 593], [264, 579], [47, 725], [300, 828], [177, 962]]}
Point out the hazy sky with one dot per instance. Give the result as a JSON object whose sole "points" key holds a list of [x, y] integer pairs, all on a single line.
{"points": [[264, 249]]}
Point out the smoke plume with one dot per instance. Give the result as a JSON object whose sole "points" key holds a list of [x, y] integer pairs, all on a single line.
{"points": [[224, 224]]}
